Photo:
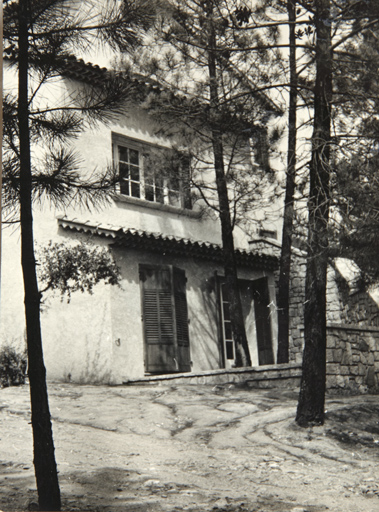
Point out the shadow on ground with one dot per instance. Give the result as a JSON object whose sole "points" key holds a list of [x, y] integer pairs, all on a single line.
{"points": [[193, 449], [111, 489]]}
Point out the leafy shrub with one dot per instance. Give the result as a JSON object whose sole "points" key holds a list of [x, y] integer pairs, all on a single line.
{"points": [[70, 268], [12, 367]]}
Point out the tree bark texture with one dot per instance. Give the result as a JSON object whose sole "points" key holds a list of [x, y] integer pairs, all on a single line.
{"points": [[242, 354], [285, 256], [44, 458], [1, 135], [310, 408]]}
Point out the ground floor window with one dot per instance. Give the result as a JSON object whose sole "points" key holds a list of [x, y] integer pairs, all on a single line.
{"points": [[227, 332], [254, 298], [165, 319]]}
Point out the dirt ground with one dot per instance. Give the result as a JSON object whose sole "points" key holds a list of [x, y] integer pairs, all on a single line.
{"points": [[193, 448]]}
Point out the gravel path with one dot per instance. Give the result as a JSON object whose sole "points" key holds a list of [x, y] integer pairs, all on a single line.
{"points": [[194, 448]]}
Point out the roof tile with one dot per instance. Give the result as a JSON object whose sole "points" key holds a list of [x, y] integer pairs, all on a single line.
{"points": [[167, 244]]}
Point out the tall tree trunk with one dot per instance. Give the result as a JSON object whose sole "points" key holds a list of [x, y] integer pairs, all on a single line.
{"points": [[310, 409], [285, 256], [1, 137], [236, 315], [44, 458]]}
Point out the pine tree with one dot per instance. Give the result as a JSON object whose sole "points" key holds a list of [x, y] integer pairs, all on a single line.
{"points": [[312, 390], [355, 187], [288, 213], [208, 68], [40, 36], [333, 95]]}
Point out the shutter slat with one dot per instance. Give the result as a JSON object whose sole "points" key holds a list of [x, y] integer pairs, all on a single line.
{"points": [[181, 308], [165, 319]]}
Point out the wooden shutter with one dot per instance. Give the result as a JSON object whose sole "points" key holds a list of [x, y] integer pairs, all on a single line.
{"points": [[165, 319], [263, 321], [158, 316], [158, 320]]}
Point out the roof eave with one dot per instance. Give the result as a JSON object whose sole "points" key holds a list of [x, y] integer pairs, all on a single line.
{"points": [[164, 245]]}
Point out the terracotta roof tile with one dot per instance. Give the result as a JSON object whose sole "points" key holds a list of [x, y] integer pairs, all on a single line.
{"points": [[78, 69], [167, 244]]}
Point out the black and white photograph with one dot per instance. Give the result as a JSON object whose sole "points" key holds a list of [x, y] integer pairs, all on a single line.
{"points": [[189, 315]]}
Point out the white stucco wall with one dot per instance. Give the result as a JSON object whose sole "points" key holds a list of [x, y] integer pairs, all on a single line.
{"points": [[77, 338], [126, 312], [99, 337]]}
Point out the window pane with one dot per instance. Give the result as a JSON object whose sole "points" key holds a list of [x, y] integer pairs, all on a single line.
{"points": [[124, 171], [149, 179], [174, 198], [149, 192], [133, 157], [164, 279], [174, 183], [229, 345], [134, 173], [228, 331], [159, 195], [124, 187], [225, 292], [147, 172], [135, 189], [226, 309], [123, 154]]}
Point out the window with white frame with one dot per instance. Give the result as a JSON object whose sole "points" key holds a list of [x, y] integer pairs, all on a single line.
{"points": [[151, 173]]}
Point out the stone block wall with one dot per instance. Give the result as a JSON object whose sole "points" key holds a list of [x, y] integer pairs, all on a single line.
{"points": [[352, 328], [352, 331], [352, 357], [296, 308]]}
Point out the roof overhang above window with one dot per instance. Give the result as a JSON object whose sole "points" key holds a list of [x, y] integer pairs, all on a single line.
{"points": [[167, 244]]}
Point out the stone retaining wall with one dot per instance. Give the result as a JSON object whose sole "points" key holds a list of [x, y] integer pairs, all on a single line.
{"points": [[352, 332], [352, 357], [352, 327]]}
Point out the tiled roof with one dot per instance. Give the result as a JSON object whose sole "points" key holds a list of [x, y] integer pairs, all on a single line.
{"points": [[78, 69], [167, 244], [86, 72]]}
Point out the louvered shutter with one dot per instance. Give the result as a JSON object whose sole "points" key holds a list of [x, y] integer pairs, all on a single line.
{"points": [[158, 320], [158, 316], [165, 319], [263, 321]]}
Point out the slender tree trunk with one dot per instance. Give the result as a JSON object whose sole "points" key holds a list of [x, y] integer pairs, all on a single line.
{"points": [[285, 257], [236, 315], [310, 408], [1, 135], [44, 459]]}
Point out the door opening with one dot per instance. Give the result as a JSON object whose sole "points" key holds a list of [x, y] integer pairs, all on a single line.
{"points": [[165, 319], [256, 311]]}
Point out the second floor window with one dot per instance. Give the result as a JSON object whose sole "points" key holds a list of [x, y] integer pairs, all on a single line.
{"points": [[154, 174], [129, 171]]}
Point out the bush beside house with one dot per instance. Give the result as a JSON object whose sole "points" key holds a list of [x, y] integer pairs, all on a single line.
{"points": [[12, 367]]}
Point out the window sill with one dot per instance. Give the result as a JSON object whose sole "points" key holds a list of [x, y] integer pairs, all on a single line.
{"points": [[120, 198]]}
